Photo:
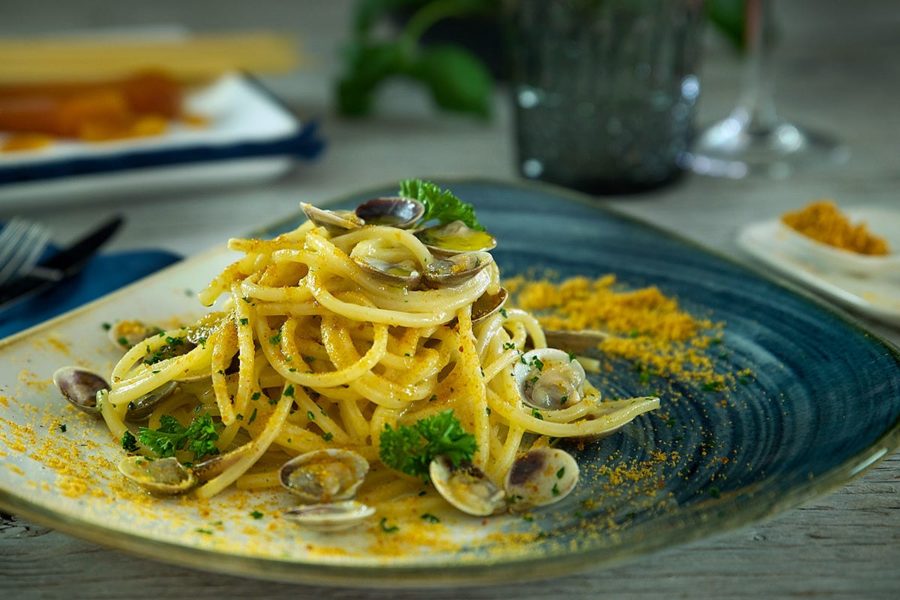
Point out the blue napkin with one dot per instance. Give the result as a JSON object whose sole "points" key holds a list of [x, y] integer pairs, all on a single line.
{"points": [[103, 274]]}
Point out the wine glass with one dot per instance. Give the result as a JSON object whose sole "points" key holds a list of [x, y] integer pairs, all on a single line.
{"points": [[754, 138]]}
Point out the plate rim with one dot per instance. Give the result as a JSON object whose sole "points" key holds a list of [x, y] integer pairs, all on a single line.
{"points": [[490, 570]]}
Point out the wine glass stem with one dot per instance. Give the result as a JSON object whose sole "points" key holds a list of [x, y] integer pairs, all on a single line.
{"points": [[756, 107]]}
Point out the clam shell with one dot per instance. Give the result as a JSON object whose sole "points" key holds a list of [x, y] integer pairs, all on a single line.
{"points": [[335, 221], [329, 517], [143, 407], [466, 487], [488, 304], [549, 379], [393, 211], [455, 237], [127, 333], [400, 275], [161, 476], [80, 386], [457, 269], [322, 476], [540, 477]]}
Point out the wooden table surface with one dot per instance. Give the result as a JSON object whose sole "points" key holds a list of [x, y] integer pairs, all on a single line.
{"points": [[837, 70]]}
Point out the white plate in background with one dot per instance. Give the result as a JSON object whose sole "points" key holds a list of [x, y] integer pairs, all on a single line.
{"points": [[868, 285], [250, 137]]}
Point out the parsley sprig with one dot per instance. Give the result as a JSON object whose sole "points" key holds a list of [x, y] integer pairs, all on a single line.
{"points": [[410, 449], [440, 205], [199, 437]]}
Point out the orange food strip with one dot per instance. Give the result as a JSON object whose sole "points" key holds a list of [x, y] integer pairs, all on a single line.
{"points": [[92, 111]]}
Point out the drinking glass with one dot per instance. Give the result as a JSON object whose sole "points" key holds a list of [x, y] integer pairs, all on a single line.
{"points": [[754, 138], [604, 90]]}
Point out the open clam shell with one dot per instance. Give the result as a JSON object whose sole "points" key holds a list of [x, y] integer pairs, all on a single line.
{"points": [[329, 517], [466, 487], [455, 237], [322, 476], [335, 221], [162, 476], [143, 407], [403, 274], [457, 268], [212, 467], [540, 477], [488, 304], [393, 211], [127, 333], [80, 386], [549, 379]]}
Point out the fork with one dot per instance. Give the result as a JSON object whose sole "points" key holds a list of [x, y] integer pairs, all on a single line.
{"points": [[21, 244]]}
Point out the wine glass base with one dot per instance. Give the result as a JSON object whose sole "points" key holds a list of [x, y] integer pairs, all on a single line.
{"points": [[735, 148]]}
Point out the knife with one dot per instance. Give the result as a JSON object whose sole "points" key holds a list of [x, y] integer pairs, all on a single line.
{"points": [[62, 265]]}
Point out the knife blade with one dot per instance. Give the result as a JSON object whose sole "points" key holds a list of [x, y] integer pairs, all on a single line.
{"points": [[62, 265]]}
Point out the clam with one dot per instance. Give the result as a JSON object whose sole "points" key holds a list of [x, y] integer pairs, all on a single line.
{"points": [[214, 466], [488, 304], [549, 379], [455, 237], [466, 487], [335, 221], [80, 386], [140, 409], [128, 333], [402, 274], [395, 211], [540, 477], [322, 476], [161, 476], [333, 516], [457, 268]]}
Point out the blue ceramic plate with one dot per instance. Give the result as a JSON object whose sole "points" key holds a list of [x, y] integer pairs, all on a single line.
{"points": [[821, 404]]}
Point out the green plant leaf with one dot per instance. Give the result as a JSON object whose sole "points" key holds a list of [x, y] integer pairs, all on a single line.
{"points": [[727, 16], [368, 64], [458, 81]]}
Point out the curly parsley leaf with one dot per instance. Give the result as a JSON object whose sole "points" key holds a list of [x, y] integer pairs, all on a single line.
{"points": [[199, 437], [410, 449], [441, 205], [129, 443]]}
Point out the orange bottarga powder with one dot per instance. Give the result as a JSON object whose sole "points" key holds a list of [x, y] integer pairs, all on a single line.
{"points": [[647, 327], [823, 222]]}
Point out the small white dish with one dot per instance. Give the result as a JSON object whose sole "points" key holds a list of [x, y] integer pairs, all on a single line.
{"points": [[881, 221], [250, 137], [870, 285]]}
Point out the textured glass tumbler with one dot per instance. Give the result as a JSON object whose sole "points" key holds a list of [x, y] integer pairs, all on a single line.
{"points": [[604, 90]]}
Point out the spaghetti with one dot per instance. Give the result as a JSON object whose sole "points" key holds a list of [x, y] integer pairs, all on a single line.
{"points": [[313, 349]]}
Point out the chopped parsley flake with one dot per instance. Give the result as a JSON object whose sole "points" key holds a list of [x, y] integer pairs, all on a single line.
{"points": [[310, 415], [327, 436], [504, 313], [430, 518], [387, 529], [106, 326], [275, 339], [129, 443], [555, 490], [256, 514], [252, 416], [289, 391], [537, 414], [255, 396], [244, 320], [560, 473], [62, 427]]}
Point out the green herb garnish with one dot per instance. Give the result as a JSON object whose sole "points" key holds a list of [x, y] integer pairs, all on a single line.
{"points": [[129, 443], [440, 205], [410, 449], [199, 437], [387, 529]]}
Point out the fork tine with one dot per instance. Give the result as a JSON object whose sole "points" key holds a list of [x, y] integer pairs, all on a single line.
{"points": [[28, 243], [14, 231]]}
